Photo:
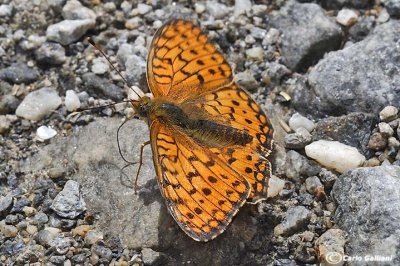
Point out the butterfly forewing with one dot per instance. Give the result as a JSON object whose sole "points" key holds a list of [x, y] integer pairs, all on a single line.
{"points": [[183, 63]]}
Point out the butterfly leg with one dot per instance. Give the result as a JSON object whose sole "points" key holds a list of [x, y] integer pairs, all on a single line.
{"points": [[144, 144]]}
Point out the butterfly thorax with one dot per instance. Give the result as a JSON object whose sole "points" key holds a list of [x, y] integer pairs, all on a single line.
{"points": [[206, 132]]}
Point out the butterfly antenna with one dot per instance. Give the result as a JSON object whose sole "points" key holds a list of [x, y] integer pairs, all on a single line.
{"points": [[112, 65]]}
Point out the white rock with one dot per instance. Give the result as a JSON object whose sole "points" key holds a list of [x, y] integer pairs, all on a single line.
{"points": [[385, 129], [4, 124], [38, 104], [346, 17], [143, 8], [217, 10], [199, 8], [241, 7], [73, 9], [69, 31], [297, 121], [388, 113], [259, 10], [275, 186], [255, 53], [44, 133], [72, 101], [383, 16], [100, 66], [6, 10], [335, 155]]}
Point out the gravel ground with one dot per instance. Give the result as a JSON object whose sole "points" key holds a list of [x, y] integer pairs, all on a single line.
{"points": [[327, 73]]}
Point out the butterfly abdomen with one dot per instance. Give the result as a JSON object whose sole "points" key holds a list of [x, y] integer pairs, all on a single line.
{"points": [[206, 132]]}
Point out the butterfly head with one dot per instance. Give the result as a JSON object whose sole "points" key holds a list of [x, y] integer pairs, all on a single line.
{"points": [[142, 106]]}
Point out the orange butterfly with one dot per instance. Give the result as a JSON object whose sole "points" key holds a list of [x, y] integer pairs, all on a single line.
{"points": [[210, 140]]}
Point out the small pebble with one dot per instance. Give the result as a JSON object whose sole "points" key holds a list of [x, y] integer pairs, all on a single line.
{"points": [[241, 7], [74, 10], [255, 53], [247, 80], [388, 113], [6, 203], [6, 10], [150, 256], [313, 183], [31, 229], [4, 124], [329, 244], [199, 8], [372, 162], [346, 17], [69, 202], [100, 66], [259, 10], [37, 104], [385, 129], [298, 140], [69, 31], [29, 211], [217, 10], [8, 230], [72, 102], [377, 142], [297, 121], [19, 73], [45, 133], [92, 236], [275, 186], [143, 8], [393, 143], [51, 53], [296, 219], [81, 230], [335, 155]]}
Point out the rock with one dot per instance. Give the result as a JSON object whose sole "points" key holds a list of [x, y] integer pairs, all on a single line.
{"points": [[72, 102], [352, 129], [47, 235], [297, 165], [8, 104], [377, 142], [217, 10], [74, 10], [37, 104], [346, 17], [40, 218], [50, 53], [19, 73], [336, 4], [255, 53], [246, 80], [81, 230], [298, 121], [69, 31], [31, 229], [92, 237], [307, 34], [259, 10], [102, 251], [335, 155], [151, 257], [69, 202], [9, 231], [385, 129], [368, 211], [298, 140], [6, 203], [312, 184], [330, 247], [388, 113], [6, 10], [393, 7], [29, 211], [348, 88], [199, 8], [103, 87], [4, 124], [393, 143], [45, 133], [274, 72], [362, 28], [136, 70], [295, 220], [241, 7], [100, 66], [275, 186], [143, 8]]}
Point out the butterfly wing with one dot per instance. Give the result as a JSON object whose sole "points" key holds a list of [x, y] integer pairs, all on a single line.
{"points": [[203, 193], [234, 107], [183, 63]]}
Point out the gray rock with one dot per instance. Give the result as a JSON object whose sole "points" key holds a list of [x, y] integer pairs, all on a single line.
{"points": [[38, 104], [246, 80], [296, 219], [297, 165], [362, 28], [151, 257], [274, 72], [353, 129], [19, 73], [102, 251], [50, 53], [136, 70], [6, 203], [393, 7], [307, 34], [69, 31], [298, 140], [313, 183], [343, 79], [369, 210], [336, 4], [8, 104], [6, 10], [217, 10], [74, 10], [103, 87], [297, 121], [4, 124], [69, 203], [330, 247]]}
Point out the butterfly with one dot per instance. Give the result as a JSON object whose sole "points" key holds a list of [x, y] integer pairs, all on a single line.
{"points": [[210, 140]]}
